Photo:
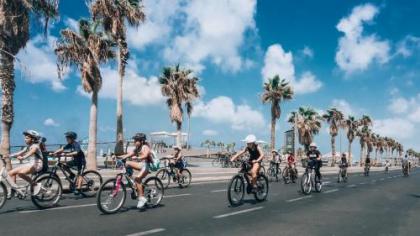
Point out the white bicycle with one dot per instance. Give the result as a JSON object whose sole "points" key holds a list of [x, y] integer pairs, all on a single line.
{"points": [[48, 196]]}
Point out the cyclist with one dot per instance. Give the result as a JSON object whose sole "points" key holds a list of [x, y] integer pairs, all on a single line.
{"points": [[291, 163], [276, 160], [256, 155], [177, 161], [387, 165], [405, 164], [73, 149], [367, 164], [315, 159], [142, 156], [34, 154], [344, 164]]}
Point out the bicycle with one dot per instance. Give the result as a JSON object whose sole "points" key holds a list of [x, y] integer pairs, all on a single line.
{"points": [[274, 171], [342, 174], [405, 171], [289, 174], [49, 195], [91, 179], [310, 180], [167, 174], [242, 181], [113, 192]]}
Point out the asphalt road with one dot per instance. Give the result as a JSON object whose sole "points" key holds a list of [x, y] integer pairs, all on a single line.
{"points": [[377, 205]]}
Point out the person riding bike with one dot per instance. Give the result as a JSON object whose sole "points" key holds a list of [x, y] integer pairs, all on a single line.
{"points": [[73, 149], [32, 152], [177, 161], [291, 164], [276, 160], [367, 164], [344, 164], [315, 159], [405, 163], [256, 155], [142, 157], [387, 165]]}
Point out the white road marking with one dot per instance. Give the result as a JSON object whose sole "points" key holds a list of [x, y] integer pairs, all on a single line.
{"points": [[237, 212], [178, 195], [299, 198], [351, 186], [373, 181], [219, 190], [59, 208], [331, 191], [362, 183], [382, 179], [153, 231]]}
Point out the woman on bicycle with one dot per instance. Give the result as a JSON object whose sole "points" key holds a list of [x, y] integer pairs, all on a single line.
{"points": [[177, 161], [142, 157], [256, 155], [34, 154]]}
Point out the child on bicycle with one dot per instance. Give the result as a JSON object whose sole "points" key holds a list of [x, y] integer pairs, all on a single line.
{"points": [[291, 164], [73, 149], [276, 160], [34, 154], [177, 161], [142, 156], [315, 159]]}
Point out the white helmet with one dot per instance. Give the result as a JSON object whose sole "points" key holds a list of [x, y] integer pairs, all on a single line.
{"points": [[176, 148], [313, 145], [33, 134], [250, 139]]}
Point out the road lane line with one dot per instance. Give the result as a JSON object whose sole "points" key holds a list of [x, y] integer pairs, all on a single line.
{"points": [[331, 191], [219, 190], [153, 231], [299, 198], [382, 179], [177, 195], [351, 186], [58, 208], [237, 212], [362, 183]]}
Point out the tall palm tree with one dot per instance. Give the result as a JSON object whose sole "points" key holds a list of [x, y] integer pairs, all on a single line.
{"points": [[14, 34], [335, 119], [308, 123], [86, 50], [180, 88], [362, 133], [113, 15], [351, 125], [276, 91]]}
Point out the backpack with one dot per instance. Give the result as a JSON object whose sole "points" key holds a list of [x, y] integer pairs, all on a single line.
{"points": [[154, 165]]}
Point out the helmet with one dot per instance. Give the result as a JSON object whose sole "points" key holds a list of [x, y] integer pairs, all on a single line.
{"points": [[250, 139], [32, 133], [70, 134], [176, 148], [139, 137], [313, 145], [43, 139], [274, 150]]}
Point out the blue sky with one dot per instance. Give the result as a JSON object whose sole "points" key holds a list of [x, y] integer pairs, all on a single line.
{"points": [[362, 57]]}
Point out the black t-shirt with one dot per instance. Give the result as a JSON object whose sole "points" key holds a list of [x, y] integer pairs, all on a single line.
{"points": [[75, 147], [367, 161], [313, 154], [254, 154]]}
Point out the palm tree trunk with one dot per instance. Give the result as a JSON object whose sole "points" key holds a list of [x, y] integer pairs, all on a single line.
{"points": [[91, 153], [189, 131], [7, 114], [350, 156], [273, 133], [178, 135], [333, 150], [361, 155], [119, 146]]}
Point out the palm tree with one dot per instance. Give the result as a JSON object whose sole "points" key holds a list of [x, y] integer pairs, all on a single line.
{"points": [[351, 125], [362, 133], [86, 50], [276, 91], [180, 88], [335, 119], [308, 123], [113, 15], [14, 31]]}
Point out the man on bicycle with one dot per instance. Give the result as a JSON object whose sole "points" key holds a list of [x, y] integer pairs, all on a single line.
{"points": [[142, 157], [367, 162], [73, 149], [256, 155], [315, 161], [276, 160], [34, 154], [344, 164], [291, 164], [406, 164], [177, 161]]}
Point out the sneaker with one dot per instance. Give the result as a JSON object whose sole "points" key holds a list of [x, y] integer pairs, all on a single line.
{"points": [[77, 192], [142, 202], [37, 189]]}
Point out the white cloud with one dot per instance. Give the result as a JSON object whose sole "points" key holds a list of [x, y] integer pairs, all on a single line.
{"points": [[343, 106], [279, 62], [37, 62], [210, 132], [394, 127], [356, 51], [399, 105], [137, 90], [406, 46], [51, 122], [72, 24], [223, 110], [212, 30], [308, 52]]}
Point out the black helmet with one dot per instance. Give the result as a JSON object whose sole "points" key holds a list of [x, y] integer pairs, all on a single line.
{"points": [[139, 137], [43, 139], [71, 135]]}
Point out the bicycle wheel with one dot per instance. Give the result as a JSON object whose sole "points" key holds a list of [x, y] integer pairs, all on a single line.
{"points": [[153, 191], [305, 184], [50, 193], [163, 175], [111, 196], [318, 185], [185, 178], [216, 162], [91, 183], [3, 194], [285, 175], [262, 170], [262, 188], [236, 190]]}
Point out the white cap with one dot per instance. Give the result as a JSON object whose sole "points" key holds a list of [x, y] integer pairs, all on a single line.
{"points": [[250, 139], [313, 145]]}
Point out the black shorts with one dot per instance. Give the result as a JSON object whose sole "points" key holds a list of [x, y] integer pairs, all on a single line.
{"points": [[76, 164]]}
